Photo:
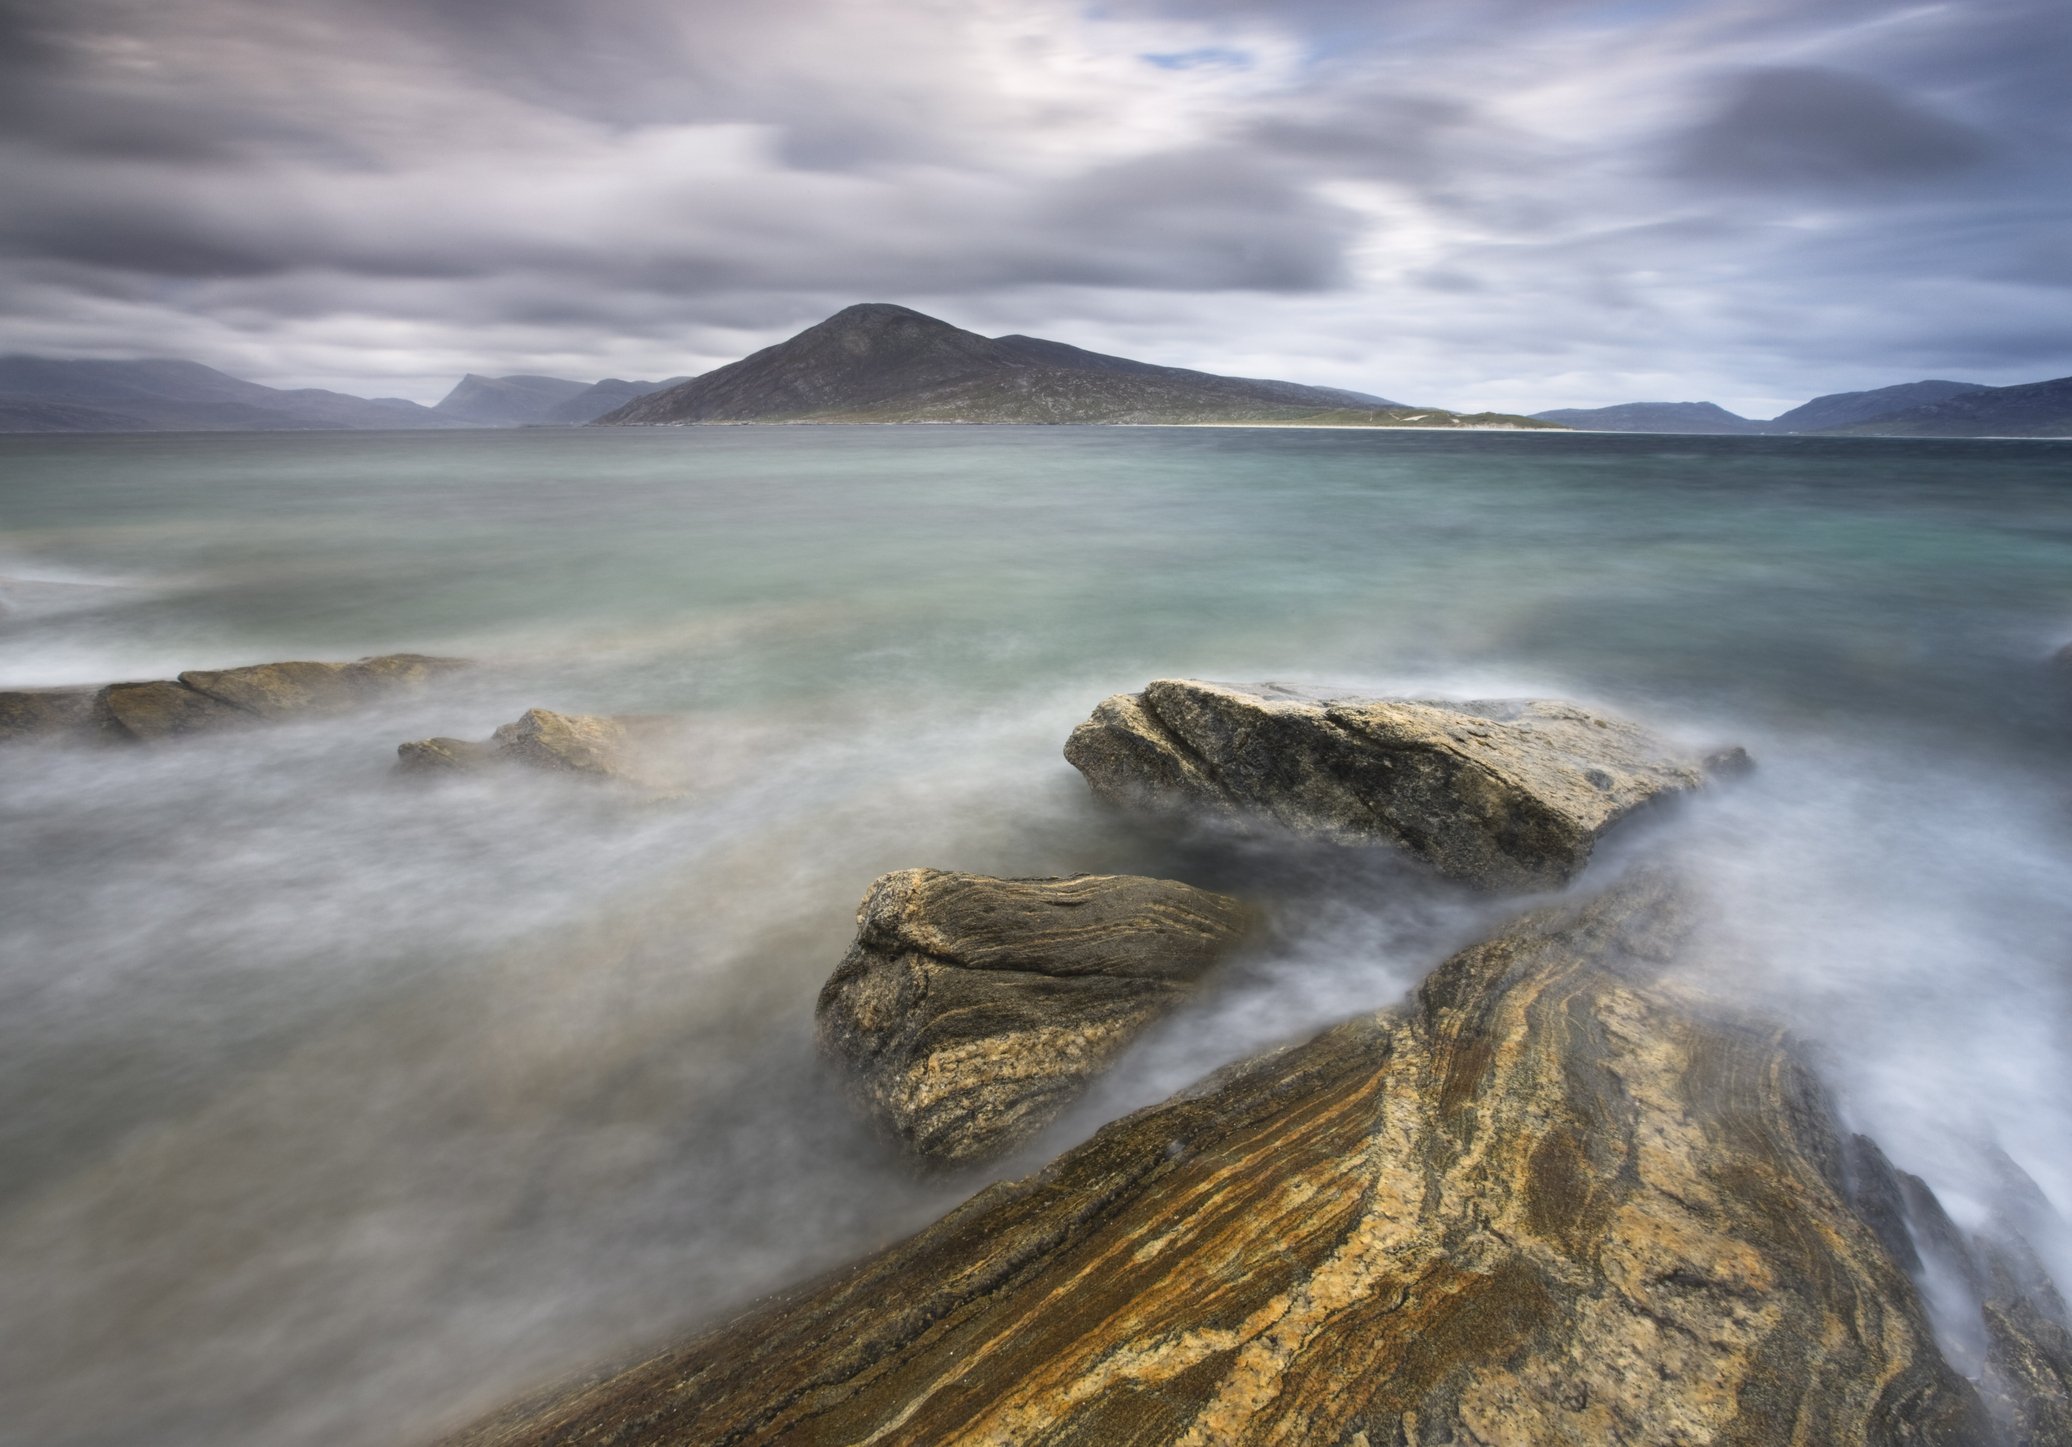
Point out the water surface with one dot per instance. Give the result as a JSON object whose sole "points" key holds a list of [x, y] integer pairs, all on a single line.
{"points": [[335, 1110]]}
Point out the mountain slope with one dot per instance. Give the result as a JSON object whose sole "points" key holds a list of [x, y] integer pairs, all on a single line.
{"points": [[2034, 409], [45, 394], [1685, 417], [506, 401], [1845, 409], [881, 363], [594, 401]]}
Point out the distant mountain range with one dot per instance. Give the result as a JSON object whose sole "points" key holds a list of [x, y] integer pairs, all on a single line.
{"points": [[1911, 409], [41, 394], [881, 363], [876, 362]]}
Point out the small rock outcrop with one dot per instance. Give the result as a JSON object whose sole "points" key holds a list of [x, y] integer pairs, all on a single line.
{"points": [[631, 749], [1506, 795], [972, 1010], [32, 713], [208, 700], [1545, 1202]]}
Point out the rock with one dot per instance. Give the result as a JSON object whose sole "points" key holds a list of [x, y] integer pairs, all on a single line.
{"points": [[631, 749], [971, 1011], [432, 756], [1506, 795], [161, 710], [1546, 1202], [283, 690], [205, 700], [46, 713]]}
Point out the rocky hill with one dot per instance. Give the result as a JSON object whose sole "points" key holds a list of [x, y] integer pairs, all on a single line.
{"points": [[1846, 409], [523, 401], [881, 363]]}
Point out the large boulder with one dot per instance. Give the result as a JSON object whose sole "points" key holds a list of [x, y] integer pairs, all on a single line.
{"points": [[1547, 1202], [162, 709], [1507, 795], [643, 751], [971, 1010]]}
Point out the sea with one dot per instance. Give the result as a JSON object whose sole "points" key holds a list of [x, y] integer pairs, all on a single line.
{"points": [[338, 1107]]}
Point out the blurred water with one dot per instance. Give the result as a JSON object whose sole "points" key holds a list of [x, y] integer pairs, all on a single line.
{"points": [[335, 1110]]}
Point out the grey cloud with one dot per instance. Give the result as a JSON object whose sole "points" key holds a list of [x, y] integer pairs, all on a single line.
{"points": [[1803, 126]]}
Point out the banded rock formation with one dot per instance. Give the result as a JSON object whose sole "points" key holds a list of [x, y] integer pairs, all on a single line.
{"points": [[207, 700], [1545, 1202], [630, 749], [1511, 794], [971, 1010]]}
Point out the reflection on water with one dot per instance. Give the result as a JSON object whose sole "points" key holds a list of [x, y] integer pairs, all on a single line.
{"points": [[339, 1107]]}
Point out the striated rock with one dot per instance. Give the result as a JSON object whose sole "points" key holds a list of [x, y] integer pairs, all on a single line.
{"points": [[283, 690], [1507, 795], [971, 1010], [632, 749], [43, 713], [1544, 1203]]}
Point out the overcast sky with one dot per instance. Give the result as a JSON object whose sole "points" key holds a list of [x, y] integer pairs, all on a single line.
{"points": [[1477, 203]]}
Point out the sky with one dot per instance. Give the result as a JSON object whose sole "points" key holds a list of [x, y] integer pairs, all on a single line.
{"points": [[1511, 204]]}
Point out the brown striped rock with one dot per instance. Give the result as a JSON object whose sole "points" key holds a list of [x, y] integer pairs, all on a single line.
{"points": [[971, 1010], [1510, 794], [1543, 1204]]}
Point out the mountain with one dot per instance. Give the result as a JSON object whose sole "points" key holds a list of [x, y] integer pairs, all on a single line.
{"points": [[532, 401], [2034, 409], [1845, 409], [45, 394], [1685, 417], [594, 401], [881, 363], [506, 401]]}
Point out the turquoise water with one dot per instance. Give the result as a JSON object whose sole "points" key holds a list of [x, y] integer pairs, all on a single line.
{"points": [[336, 1109]]}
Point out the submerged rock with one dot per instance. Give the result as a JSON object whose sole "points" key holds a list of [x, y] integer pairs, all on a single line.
{"points": [[971, 1010], [284, 690], [206, 700], [1507, 795], [42, 713], [161, 710], [1545, 1202], [633, 749]]}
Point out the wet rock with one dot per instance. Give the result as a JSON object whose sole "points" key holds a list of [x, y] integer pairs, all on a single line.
{"points": [[639, 750], [46, 713], [206, 700], [435, 756], [1545, 1202], [161, 710], [1507, 795], [285, 690], [971, 1010]]}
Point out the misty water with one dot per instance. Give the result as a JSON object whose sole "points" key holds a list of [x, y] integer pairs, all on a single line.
{"points": [[336, 1108]]}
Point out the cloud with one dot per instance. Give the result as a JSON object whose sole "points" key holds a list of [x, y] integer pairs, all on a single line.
{"points": [[1806, 126], [1479, 201]]}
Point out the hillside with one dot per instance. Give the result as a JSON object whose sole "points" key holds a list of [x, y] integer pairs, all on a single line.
{"points": [[881, 363], [44, 394], [2034, 409], [1846, 409]]}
